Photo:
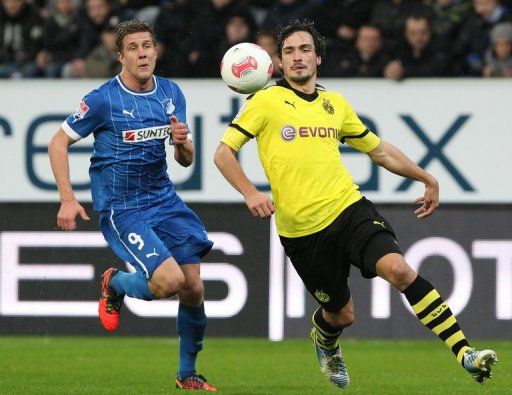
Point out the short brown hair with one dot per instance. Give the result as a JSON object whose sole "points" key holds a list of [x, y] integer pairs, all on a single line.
{"points": [[132, 26]]}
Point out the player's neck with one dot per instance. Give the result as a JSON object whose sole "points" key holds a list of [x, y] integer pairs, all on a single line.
{"points": [[308, 86], [134, 84]]}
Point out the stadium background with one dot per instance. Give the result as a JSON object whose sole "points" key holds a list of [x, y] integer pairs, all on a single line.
{"points": [[49, 279], [458, 129]]}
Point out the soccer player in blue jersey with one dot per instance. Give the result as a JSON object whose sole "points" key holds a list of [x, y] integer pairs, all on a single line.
{"points": [[142, 218]]}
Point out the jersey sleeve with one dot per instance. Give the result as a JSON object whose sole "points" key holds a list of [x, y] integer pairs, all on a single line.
{"points": [[88, 117], [356, 134], [180, 110], [246, 125]]}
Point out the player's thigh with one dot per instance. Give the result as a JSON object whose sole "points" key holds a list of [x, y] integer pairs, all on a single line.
{"points": [[370, 237], [182, 232], [133, 240], [317, 260], [168, 276]]}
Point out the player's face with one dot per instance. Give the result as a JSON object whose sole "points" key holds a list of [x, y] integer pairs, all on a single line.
{"points": [[138, 56], [299, 61]]}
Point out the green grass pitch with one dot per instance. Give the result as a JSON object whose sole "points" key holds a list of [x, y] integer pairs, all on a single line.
{"points": [[130, 365]]}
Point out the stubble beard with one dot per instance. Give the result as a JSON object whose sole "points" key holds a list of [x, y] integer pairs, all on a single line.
{"points": [[300, 78]]}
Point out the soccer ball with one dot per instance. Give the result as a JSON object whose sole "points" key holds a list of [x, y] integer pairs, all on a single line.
{"points": [[246, 68]]}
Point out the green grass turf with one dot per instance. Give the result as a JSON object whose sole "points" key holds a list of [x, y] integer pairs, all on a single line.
{"points": [[117, 365]]}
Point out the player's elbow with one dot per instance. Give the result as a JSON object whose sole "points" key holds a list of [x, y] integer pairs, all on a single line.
{"points": [[221, 156]]}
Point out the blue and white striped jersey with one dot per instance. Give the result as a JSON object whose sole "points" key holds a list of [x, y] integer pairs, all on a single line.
{"points": [[128, 166]]}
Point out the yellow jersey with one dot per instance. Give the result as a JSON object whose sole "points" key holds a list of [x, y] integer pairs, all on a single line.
{"points": [[298, 137]]}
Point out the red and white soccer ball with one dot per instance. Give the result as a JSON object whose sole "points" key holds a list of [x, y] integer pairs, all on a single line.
{"points": [[246, 68]]}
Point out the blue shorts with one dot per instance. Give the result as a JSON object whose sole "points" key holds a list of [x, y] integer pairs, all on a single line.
{"points": [[147, 237]]}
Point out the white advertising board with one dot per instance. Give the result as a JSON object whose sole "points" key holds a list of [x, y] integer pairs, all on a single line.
{"points": [[459, 130]]}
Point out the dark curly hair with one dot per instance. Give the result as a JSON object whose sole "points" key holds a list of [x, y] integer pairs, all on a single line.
{"points": [[301, 26]]}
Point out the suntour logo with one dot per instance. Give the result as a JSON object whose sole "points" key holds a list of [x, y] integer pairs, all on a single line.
{"points": [[146, 134]]}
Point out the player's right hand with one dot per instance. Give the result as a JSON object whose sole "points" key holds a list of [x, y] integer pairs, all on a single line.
{"points": [[260, 204], [67, 214]]}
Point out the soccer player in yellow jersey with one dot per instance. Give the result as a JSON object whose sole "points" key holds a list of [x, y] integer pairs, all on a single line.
{"points": [[324, 223]]}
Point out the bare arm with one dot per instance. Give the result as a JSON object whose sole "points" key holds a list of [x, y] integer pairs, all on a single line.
{"points": [[69, 207], [258, 202], [394, 160], [183, 147]]}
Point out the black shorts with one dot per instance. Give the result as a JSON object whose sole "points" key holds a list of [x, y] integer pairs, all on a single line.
{"points": [[359, 236]]}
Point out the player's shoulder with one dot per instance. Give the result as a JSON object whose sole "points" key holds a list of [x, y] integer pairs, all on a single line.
{"points": [[165, 83], [335, 97], [97, 95], [265, 94], [171, 88]]}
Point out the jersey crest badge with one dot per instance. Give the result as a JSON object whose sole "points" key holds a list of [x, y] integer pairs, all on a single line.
{"points": [[169, 107], [322, 296], [329, 109]]}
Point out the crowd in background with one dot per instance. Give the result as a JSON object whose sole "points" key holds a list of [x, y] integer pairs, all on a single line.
{"points": [[392, 39]]}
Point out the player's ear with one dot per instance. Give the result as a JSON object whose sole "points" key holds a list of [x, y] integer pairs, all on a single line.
{"points": [[318, 60]]}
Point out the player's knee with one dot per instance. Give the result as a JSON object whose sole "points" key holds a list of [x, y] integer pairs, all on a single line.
{"points": [[400, 274], [347, 318], [168, 285], [342, 318], [192, 293]]}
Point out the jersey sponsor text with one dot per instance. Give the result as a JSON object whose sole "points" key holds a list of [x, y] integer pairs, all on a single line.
{"points": [[146, 134]]}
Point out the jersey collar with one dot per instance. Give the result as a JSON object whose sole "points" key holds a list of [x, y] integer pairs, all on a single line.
{"points": [[131, 91], [305, 96]]}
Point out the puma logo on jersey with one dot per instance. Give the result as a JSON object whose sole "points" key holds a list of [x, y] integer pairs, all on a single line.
{"points": [[152, 254], [291, 104], [130, 113], [146, 134], [379, 223]]}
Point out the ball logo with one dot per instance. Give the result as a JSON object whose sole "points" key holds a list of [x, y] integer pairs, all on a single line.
{"points": [[288, 133], [248, 64], [270, 69]]}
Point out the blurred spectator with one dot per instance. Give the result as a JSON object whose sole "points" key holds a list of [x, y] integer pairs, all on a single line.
{"points": [[282, 11], [267, 40], [239, 28], [448, 16], [173, 28], [366, 60], [473, 38], [341, 18], [208, 29], [103, 61], [21, 32], [390, 16], [419, 56], [146, 10], [498, 58], [60, 38], [98, 15]]}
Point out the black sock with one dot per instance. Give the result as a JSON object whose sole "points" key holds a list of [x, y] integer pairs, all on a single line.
{"points": [[434, 313], [325, 335]]}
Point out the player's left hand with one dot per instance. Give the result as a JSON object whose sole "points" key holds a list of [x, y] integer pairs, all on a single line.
{"points": [[179, 131], [430, 200]]}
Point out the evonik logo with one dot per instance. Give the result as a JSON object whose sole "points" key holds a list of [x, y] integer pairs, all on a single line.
{"points": [[288, 132], [146, 134]]}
